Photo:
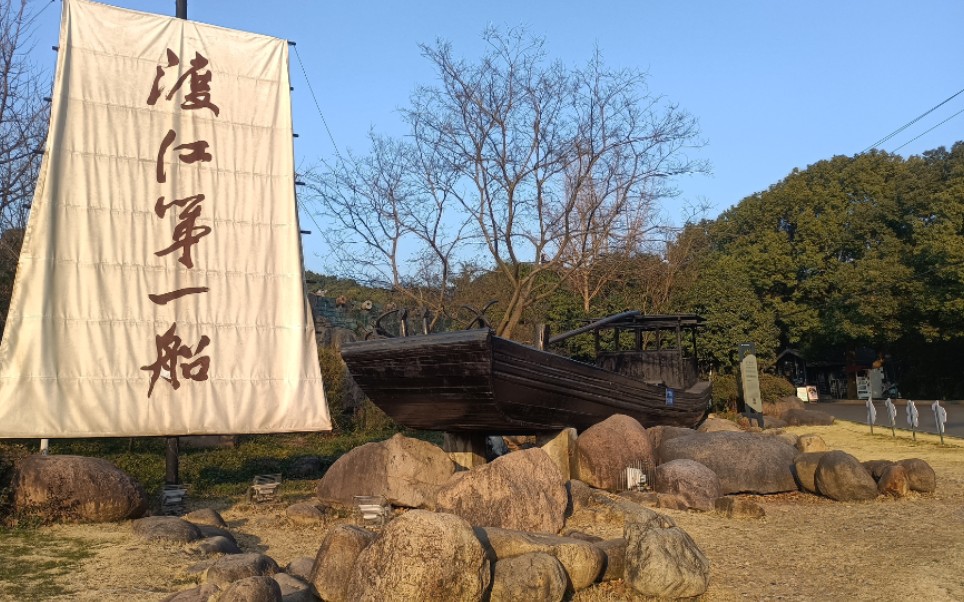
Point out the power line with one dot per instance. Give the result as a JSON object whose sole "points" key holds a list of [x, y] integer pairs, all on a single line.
{"points": [[913, 121], [315, 99], [928, 131]]}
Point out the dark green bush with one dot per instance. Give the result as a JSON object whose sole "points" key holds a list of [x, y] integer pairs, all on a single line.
{"points": [[726, 392]]}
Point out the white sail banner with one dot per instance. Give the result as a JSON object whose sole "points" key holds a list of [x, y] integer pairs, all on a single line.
{"points": [[160, 289]]}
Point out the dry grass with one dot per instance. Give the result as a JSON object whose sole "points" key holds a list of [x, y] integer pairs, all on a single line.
{"points": [[807, 548]]}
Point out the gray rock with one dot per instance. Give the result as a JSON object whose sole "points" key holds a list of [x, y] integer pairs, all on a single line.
{"points": [[615, 551], [579, 495], [841, 477], [665, 563], [893, 481], [582, 561], [206, 516], [229, 569], [779, 408], [534, 577], [252, 589], [876, 467], [521, 490], [659, 433], [713, 424], [805, 470], [210, 546], [772, 422], [811, 443], [744, 462], [737, 507], [305, 514], [75, 489], [301, 568], [606, 449], [696, 484], [335, 561], [294, 589], [407, 472], [607, 515], [920, 475], [799, 417], [422, 556], [165, 528], [201, 593], [212, 531]]}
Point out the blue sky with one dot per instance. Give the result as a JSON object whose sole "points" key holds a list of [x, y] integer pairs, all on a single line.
{"points": [[774, 85]]}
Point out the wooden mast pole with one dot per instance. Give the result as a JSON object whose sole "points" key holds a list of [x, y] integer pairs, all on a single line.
{"points": [[172, 449]]}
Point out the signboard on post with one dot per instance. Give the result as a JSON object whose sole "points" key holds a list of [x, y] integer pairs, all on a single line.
{"points": [[750, 378]]}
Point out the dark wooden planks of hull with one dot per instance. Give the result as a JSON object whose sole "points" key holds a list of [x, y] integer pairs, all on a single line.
{"points": [[472, 381]]}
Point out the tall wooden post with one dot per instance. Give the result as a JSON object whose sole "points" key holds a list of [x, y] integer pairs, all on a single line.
{"points": [[171, 461]]}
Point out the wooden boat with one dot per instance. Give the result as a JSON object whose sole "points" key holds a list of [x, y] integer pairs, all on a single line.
{"points": [[472, 381]]}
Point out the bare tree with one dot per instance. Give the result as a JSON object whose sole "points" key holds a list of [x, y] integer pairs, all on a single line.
{"points": [[23, 127], [537, 167]]}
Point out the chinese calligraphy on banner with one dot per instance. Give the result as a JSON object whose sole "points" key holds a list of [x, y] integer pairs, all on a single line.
{"points": [[160, 289]]}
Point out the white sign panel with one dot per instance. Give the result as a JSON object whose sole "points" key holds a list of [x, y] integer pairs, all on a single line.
{"points": [[160, 289]]}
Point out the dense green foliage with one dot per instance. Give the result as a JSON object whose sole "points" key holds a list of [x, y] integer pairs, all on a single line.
{"points": [[852, 251]]}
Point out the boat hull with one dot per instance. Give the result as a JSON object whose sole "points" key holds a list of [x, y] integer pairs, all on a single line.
{"points": [[473, 381]]}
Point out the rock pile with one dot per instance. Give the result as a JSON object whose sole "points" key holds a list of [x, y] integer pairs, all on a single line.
{"points": [[516, 528]]}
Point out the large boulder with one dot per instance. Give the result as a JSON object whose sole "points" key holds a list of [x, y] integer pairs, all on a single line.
{"points": [[252, 589], [805, 470], [535, 577], [842, 477], [811, 443], [407, 472], [801, 417], [293, 589], [712, 424], [780, 407], [665, 563], [920, 475], [206, 516], [521, 490], [744, 462], [615, 551], [661, 432], [582, 561], [606, 449], [166, 528], [76, 489], [335, 561], [606, 516], [212, 546], [696, 484], [422, 555], [229, 569], [893, 481], [305, 514], [201, 593]]}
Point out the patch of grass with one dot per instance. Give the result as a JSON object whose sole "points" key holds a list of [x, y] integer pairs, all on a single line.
{"points": [[224, 472], [33, 563]]}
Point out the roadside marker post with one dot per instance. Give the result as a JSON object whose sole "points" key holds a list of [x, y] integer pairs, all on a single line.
{"points": [[940, 417], [892, 412], [912, 418], [871, 414]]}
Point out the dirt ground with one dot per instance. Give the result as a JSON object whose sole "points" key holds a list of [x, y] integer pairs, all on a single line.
{"points": [[807, 548]]}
